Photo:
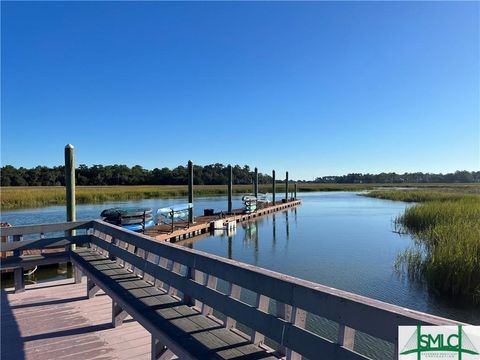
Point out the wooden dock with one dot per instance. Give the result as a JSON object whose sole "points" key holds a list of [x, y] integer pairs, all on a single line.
{"points": [[55, 320], [207, 224]]}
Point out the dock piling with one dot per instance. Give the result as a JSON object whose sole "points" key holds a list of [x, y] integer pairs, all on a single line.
{"points": [[70, 185], [190, 191], [230, 185], [273, 187], [256, 183], [286, 186], [295, 191]]}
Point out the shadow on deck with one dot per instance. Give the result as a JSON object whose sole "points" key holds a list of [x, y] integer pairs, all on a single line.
{"points": [[55, 321]]}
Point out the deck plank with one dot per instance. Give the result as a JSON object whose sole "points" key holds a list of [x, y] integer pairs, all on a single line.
{"points": [[59, 322]]}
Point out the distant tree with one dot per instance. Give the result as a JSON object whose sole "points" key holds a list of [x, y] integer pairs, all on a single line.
{"points": [[212, 174]]}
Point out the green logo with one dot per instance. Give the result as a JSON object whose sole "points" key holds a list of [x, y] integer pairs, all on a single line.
{"points": [[440, 340]]}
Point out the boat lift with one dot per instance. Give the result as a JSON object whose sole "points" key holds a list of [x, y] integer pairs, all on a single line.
{"points": [[175, 213]]}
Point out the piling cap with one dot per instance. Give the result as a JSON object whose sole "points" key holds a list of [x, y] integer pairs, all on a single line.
{"points": [[69, 146]]}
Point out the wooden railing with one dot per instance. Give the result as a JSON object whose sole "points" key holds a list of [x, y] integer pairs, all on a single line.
{"points": [[270, 307]]}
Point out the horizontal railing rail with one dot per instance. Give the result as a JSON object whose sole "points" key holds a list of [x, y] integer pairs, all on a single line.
{"points": [[46, 243], [45, 228]]}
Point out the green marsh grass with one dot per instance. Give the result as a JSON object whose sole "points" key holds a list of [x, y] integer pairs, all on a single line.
{"points": [[446, 229], [29, 197], [40, 196]]}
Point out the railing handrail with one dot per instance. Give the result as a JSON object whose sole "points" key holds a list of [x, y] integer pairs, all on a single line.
{"points": [[45, 228], [44, 243]]}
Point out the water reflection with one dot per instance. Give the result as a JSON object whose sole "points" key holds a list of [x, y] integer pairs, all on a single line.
{"points": [[230, 251]]}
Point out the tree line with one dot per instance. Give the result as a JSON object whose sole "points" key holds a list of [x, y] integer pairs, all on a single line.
{"points": [[417, 177], [213, 174]]}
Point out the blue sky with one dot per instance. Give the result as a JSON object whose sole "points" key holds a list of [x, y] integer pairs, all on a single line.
{"points": [[315, 88]]}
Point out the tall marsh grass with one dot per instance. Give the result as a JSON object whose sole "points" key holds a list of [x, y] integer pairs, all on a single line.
{"points": [[29, 197], [446, 228], [37, 196]]}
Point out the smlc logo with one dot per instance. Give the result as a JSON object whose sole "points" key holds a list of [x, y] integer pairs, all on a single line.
{"points": [[439, 342]]}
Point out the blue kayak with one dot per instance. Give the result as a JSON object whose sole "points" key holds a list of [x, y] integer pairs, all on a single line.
{"points": [[139, 227]]}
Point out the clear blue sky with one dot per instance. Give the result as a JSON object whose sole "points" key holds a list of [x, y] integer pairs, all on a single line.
{"points": [[314, 88]]}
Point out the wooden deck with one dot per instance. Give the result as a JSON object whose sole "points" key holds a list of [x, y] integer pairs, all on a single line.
{"points": [[55, 320]]}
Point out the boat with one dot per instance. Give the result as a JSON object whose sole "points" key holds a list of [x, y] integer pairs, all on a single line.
{"points": [[125, 212], [249, 198], [139, 227], [135, 219], [175, 212], [250, 202]]}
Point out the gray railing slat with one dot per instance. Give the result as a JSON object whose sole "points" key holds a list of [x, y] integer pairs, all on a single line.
{"points": [[13, 262], [44, 243], [45, 228]]}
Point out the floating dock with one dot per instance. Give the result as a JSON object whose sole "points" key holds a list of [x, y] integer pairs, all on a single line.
{"points": [[218, 221]]}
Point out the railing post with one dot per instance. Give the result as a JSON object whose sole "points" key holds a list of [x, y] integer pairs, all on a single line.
{"points": [[284, 311], [273, 187], [234, 292], [190, 191], [299, 319], [77, 274], [190, 275], [176, 269], [159, 351], [230, 185], [346, 337], [262, 303], [92, 289], [211, 282], [118, 314], [19, 281]]}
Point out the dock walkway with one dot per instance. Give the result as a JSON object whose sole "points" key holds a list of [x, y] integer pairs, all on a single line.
{"points": [[56, 320]]}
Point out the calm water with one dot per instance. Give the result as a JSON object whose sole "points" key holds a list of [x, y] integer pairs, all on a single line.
{"points": [[338, 239]]}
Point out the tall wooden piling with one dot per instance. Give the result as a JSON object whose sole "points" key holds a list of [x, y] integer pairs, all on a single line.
{"points": [[295, 191], [286, 186], [230, 186], [256, 183], [190, 191], [273, 187], [70, 181]]}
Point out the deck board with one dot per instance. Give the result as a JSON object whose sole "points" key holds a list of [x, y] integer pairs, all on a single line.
{"points": [[59, 322]]}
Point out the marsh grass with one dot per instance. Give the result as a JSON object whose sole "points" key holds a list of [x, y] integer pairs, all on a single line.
{"points": [[29, 197], [39, 196], [446, 227]]}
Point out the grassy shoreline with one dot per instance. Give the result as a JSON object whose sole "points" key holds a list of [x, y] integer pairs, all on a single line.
{"points": [[446, 228], [30, 197]]}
